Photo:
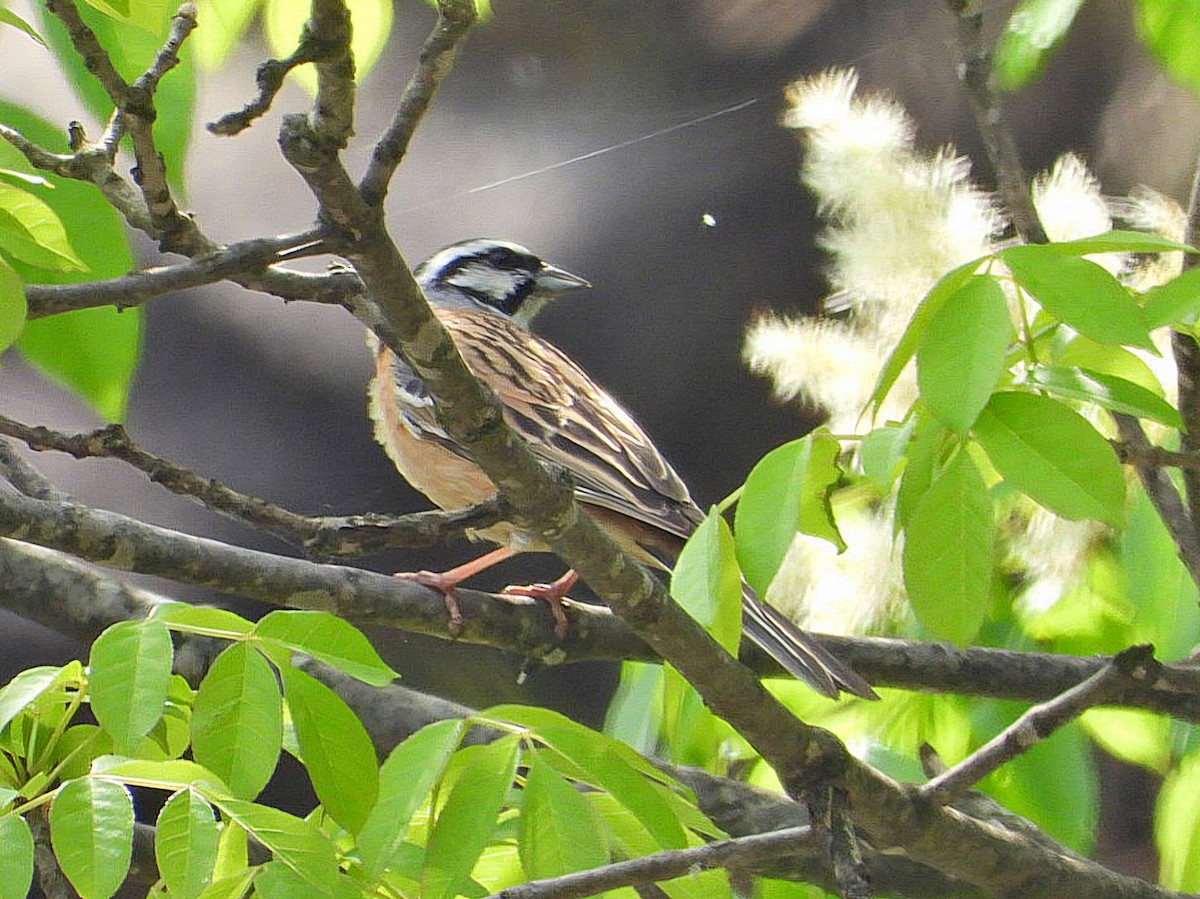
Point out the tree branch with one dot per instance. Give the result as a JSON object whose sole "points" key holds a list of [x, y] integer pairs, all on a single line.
{"points": [[1039, 722], [246, 258], [1164, 497], [667, 865], [329, 535], [455, 18], [974, 72]]}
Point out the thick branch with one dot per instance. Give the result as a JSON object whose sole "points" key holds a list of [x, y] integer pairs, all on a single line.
{"points": [[362, 597]]}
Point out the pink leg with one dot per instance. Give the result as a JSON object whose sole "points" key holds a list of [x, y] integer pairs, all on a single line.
{"points": [[552, 594], [446, 582]]}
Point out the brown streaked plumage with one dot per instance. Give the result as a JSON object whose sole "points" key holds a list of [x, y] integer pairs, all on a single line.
{"points": [[484, 292]]}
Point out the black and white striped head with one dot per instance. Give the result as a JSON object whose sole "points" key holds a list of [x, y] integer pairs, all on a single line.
{"points": [[493, 275]]}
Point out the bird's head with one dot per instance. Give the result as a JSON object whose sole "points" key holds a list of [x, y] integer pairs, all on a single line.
{"points": [[495, 275]]}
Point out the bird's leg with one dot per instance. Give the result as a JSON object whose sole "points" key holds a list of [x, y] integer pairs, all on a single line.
{"points": [[552, 594], [446, 582]]}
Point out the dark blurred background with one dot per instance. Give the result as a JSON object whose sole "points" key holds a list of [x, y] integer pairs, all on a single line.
{"points": [[270, 399]]}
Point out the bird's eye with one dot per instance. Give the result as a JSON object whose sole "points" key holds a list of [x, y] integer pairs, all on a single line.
{"points": [[503, 257]]}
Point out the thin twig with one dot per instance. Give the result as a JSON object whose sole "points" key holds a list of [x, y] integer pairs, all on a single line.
{"points": [[243, 259], [1038, 723], [174, 231], [327, 535], [87, 162], [664, 866], [1164, 497], [95, 58], [1012, 183], [455, 18], [1151, 456], [269, 78], [1187, 366], [325, 41]]}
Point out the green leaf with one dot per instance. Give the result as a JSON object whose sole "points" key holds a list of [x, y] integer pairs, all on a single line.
{"points": [[78, 747], [92, 352], [23, 689], [237, 720], [1116, 242], [948, 553], [185, 844], [963, 353], [1161, 593], [1176, 301], [13, 308], [203, 620], [296, 842], [1053, 455], [1081, 294], [468, 819], [130, 672], [132, 50], [277, 881], [91, 830], [1171, 31], [603, 763], [148, 15], [924, 458], [372, 21], [1135, 736], [787, 491], [1080, 352], [692, 735], [1035, 30], [8, 17], [560, 830], [882, 452], [160, 774], [30, 231], [1177, 826], [906, 347], [635, 712], [335, 748], [405, 779], [1107, 391], [232, 886], [16, 861], [706, 581], [1053, 784], [329, 639]]}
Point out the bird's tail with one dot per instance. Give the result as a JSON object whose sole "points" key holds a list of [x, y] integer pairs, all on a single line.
{"points": [[797, 651]]}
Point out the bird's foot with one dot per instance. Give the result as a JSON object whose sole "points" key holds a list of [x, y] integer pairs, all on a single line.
{"points": [[445, 585], [552, 594]]}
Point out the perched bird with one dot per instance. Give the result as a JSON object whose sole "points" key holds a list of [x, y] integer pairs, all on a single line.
{"points": [[486, 292]]}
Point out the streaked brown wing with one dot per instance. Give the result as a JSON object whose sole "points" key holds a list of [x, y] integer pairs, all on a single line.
{"points": [[569, 419]]}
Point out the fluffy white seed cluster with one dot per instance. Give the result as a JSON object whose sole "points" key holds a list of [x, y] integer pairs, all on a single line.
{"points": [[896, 220]]}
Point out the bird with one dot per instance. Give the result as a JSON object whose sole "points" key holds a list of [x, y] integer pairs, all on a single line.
{"points": [[486, 293]]}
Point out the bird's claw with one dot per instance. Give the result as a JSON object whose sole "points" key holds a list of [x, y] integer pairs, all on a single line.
{"points": [[438, 581]]}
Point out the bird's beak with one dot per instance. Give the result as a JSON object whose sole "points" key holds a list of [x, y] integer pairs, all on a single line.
{"points": [[553, 279]]}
